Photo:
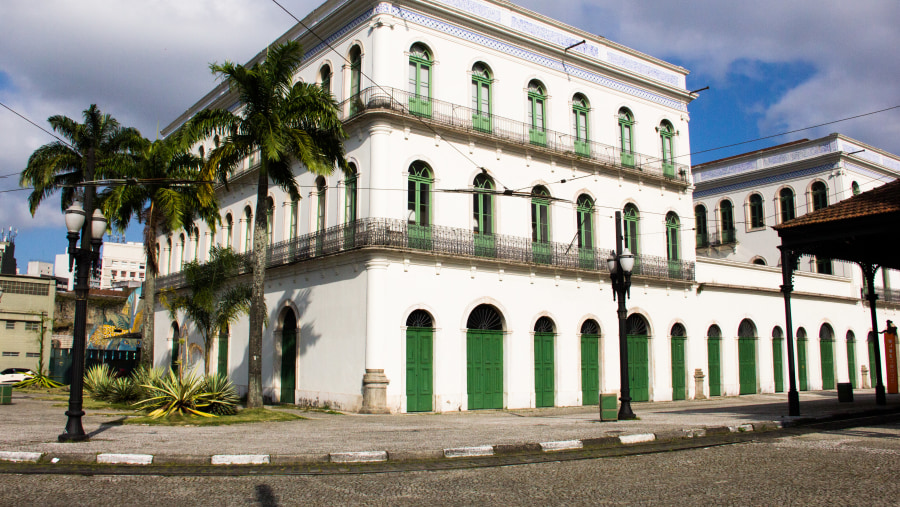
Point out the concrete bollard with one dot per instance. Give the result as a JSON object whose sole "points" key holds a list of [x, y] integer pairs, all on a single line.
{"points": [[865, 376], [698, 384]]}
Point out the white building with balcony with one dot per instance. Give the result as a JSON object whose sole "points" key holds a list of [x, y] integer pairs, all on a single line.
{"points": [[461, 265]]}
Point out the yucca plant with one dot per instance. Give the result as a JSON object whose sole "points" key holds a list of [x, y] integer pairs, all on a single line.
{"points": [[223, 397], [122, 390], [38, 380], [143, 376], [172, 395], [98, 380]]}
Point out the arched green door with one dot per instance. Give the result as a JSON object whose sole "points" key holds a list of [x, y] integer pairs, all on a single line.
{"points": [[638, 358], [484, 358], [222, 366], [540, 225], [483, 217], [801, 360], [851, 357], [747, 356], [419, 205], [871, 343], [778, 358], [419, 362], [288, 357], [544, 363], [826, 354], [679, 373], [590, 363], [176, 347], [714, 355]]}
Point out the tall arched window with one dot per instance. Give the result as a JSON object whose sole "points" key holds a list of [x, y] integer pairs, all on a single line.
{"points": [[350, 185], [786, 202], [270, 220], [544, 362], [169, 254], [673, 245], [590, 362], [295, 212], [481, 97], [540, 224], [778, 358], [355, 79], [248, 229], [747, 357], [325, 78], [537, 119], [420, 62], [819, 195], [714, 359], [195, 243], [666, 135], [321, 188], [855, 187], [584, 208], [700, 226], [726, 217], [826, 355], [181, 243], [483, 216], [632, 230], [419, 205], [626, 137], [757, 214], [580, 124], [679, 369], [229, 231]]}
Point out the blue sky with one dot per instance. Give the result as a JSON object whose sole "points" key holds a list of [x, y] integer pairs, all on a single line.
{"points": [[772, 66]]}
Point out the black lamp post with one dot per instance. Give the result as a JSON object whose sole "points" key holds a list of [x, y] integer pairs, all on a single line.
{"points": [[620, 266], [85, 260], [869, 274]]}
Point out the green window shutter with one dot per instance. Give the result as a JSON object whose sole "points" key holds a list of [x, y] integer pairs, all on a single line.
{"points": [[632, 229]]}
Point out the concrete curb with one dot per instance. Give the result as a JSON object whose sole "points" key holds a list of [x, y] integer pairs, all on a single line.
{"points": [[414, 455]]}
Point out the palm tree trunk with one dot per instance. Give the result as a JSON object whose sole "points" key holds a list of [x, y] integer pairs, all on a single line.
{"points": [[147, 338], [257, 301]]}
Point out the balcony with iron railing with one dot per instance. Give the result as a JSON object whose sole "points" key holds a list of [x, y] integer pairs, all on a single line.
{"points": [[884, 295], [394, 234]]}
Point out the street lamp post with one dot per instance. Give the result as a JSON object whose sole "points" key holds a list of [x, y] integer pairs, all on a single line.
{"points": [[620, 265], [85, 260]]}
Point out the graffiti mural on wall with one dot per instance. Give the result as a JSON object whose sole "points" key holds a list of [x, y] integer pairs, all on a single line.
{"points": [[119, 330]]}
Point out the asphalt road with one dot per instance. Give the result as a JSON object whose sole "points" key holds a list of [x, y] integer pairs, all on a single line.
{"points": [[855, 466]]}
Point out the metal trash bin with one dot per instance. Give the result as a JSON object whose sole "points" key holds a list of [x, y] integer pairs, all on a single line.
{"points": [[609, 407], [845, 391], [5, 395]]}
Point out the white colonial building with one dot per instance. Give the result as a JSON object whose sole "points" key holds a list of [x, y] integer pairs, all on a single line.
{"points": [[462, 263]]}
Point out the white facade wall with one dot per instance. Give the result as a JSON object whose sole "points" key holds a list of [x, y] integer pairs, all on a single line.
{"points": [[126, 260]]}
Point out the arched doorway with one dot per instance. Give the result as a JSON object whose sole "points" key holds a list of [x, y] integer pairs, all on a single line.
{"points": [[778, 358], [637, 331], [826, 354], [484, 358], [747, 356], [714, 357], [175, 360], [590, 362], [544, 362], [419, 361], [679, 370], [851, 357], [870, 341], [801, 360], [288, 357], [222, 365]]}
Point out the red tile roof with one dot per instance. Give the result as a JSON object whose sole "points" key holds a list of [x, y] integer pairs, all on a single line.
{"points": [[878, 201]]}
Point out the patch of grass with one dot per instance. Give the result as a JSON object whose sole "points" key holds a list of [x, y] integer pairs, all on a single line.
{"points": [[242, 417], [324, 410]]}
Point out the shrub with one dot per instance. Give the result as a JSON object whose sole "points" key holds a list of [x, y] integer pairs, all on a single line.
{"points": [[97, 381], [223, 397], [143, 376], [122, 390], [172, 395]]}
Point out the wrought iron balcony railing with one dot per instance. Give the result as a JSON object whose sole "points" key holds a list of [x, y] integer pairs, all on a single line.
{"points": [[470, 120], [398, 234], [884, 295]]}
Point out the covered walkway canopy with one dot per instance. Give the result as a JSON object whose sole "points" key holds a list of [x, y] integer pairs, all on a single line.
{"points": [[861, 229]]}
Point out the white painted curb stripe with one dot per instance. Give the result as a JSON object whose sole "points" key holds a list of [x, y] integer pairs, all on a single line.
{"points": [[562, 445], [745, 427], [20, 456], [358, 457], [638, 438], [125, 459], [240, 459], [463, 452]]}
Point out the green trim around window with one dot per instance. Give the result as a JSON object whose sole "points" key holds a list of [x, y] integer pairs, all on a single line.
{"points": [[726, 215], [757, 213], [581, 126], [481, 98], [631, 234], [537, 114], [626, 137], [419, 187], [540, 225], [673, 245], [420, 64], [666, 138], [483, 216], [700, 226], [584, 210]]}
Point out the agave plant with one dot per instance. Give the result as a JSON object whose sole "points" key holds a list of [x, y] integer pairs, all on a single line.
{"points": [[98, 380], [122, 390], [143, 376], [38, 380], [172, 395], [223, 397]]}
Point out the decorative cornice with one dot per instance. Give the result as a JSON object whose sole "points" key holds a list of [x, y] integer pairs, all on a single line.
{"points": [[775, 178]]}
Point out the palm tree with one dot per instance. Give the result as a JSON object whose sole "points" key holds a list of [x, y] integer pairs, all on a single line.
{"points": [[210, 302], [166, 195], [284, 122]]}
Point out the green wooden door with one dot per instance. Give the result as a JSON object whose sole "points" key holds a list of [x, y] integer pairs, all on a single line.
{"points": [[714, 351], [801, 364], [747, 365], [590, 369], [288, 358], [871, 363], [543, 369], [851, 361], [419, 368], [540, 226], [419, 206], [639, 367], [826, 351], [778, 363], [222, 366], [483, 217], [678, 369], [484, 365]]}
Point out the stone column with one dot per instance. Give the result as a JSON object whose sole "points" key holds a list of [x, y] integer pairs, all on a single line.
{"points": [[698, 384], [380, 171], [374, 381]]}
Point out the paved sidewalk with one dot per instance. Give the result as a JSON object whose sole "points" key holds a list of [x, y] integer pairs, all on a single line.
{"points": [[31, 425]]}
